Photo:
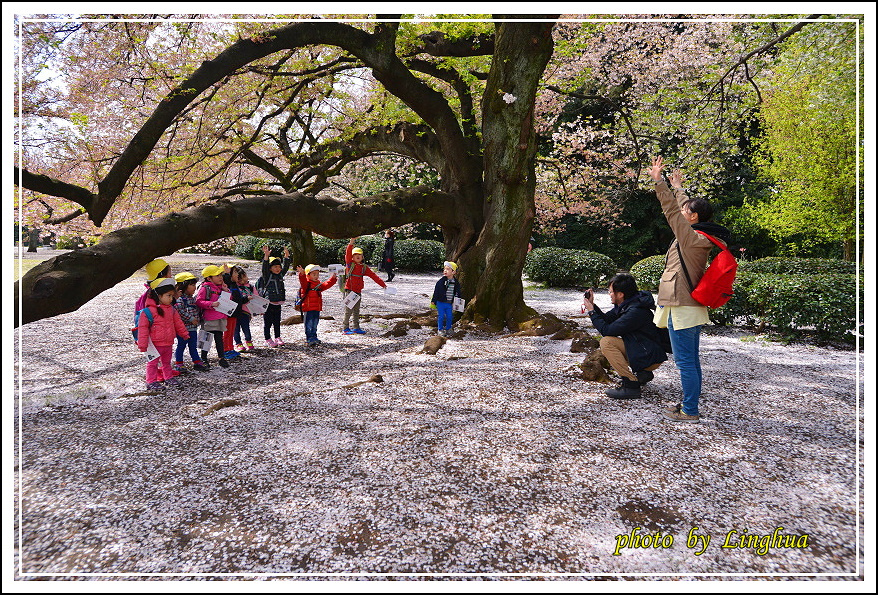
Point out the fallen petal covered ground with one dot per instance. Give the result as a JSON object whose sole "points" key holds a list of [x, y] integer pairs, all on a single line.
{"points": [[487, 457]]}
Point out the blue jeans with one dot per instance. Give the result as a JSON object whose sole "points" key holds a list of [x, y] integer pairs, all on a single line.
{"points": [[444, 315], [193, 347], [685, 345], [242, 326], [312, 317]]}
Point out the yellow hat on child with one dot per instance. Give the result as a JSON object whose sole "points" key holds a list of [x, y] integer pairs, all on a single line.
{"points": [[357, 251], [184, 276], [451, 265], [154, 268], [311, 267], [160, 282], [211, 270]]}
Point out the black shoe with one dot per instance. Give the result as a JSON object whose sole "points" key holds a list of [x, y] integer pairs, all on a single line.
{"points": [[224, 363], [204, 367], [644, 376], [627, 389]]}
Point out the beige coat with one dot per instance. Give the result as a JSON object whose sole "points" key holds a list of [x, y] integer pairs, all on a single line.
{"points": [[674, 290]]}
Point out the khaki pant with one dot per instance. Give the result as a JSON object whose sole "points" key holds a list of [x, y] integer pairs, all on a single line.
{"points": [[613, 349], [355, 311]]}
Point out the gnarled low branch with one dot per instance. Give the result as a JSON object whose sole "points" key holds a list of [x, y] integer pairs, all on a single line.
{"points": [[66, 282]]}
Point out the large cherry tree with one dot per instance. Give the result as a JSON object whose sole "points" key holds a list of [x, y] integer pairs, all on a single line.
{"points": [[483, 153]]}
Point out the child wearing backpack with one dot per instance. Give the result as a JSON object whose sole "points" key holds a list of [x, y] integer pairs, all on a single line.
{"points": [[231, 279], [242, 326], [157, 269], [355, 270], [190, 314], [271, 287], [165, 325], [213, 321], [685, 263], [311, 293]]}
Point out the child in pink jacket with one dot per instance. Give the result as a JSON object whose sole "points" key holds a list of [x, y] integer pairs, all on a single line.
{"points": [[212, 320], [165, 327]]}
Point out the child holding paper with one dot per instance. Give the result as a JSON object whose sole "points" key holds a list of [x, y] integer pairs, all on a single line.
{"points": [[213, 321], [166, 325], [189, 313], [242, 326], [355, 270], [447, 288], [271, 287], [312, 299]]}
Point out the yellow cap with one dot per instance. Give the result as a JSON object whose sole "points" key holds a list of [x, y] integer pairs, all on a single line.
{"points": [[211, 270], [274, 260], [154, 268], [451, 265], [357, 251], [184, 276], [162, 281], [311, 267]]}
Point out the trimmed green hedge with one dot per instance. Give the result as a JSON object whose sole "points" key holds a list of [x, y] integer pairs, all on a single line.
{"points": [[417, 255], [797, 266], [789, 303], [560, 267], [648, 272]]}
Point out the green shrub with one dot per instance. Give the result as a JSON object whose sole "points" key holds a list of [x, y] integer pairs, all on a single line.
{"points": [[417, 256], [797, 266], [648, 272], [276, 246], [246, 248], [560, 267], [69, 242], [794, 302], [328, 251]]}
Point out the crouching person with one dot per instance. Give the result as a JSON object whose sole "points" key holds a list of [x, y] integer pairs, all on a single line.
{"points": [[631, 342]]}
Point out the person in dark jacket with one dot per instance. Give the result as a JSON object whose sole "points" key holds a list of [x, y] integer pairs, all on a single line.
{"points": [[631, 342], [387, 255]]}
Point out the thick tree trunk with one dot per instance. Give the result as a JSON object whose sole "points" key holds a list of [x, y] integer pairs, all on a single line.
{"points": [[492, 267], [64, 283]]}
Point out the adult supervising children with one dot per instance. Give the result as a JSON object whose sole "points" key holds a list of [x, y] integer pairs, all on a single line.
{"points": [[685, 263]]}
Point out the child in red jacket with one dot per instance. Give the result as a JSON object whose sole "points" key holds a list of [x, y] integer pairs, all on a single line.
{"points": [[312, 299], [355, 270], [165, 327]]}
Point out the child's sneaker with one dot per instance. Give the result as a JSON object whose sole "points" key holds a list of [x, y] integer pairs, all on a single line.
{"points": [[359, 331], [279, 342], [201, 366], [180, 367], [239, 348], [270, 343], [250, 346], [224, 363], [232, 354], [348, 331], [173, 383], [155, 386]]}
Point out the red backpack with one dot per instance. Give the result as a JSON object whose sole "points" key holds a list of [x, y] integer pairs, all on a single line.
{"points": [[715, 287]]}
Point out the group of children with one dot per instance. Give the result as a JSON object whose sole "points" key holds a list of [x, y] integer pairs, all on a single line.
{"points": [[177, 308]]}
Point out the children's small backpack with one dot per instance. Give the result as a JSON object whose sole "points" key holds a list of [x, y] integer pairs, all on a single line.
{"points": [[715, 287], [148, 314]]}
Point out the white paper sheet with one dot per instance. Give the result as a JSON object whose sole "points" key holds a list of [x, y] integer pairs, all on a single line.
{"points": [[205, 339], [458, 304], [258, 305], [151, 352], [351, 299], [226, 305]]}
